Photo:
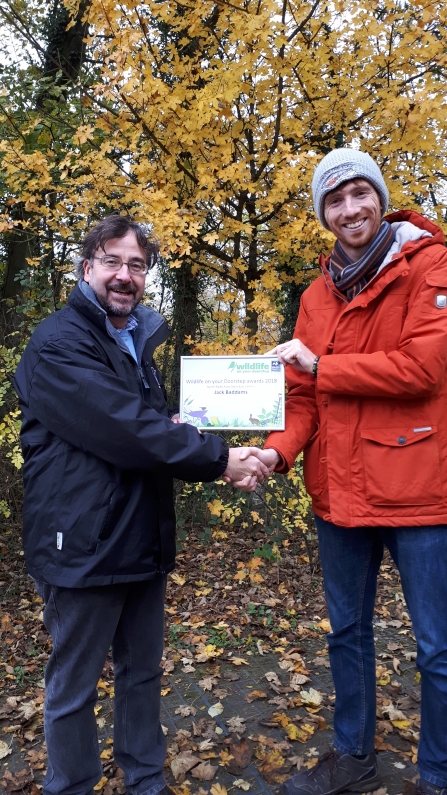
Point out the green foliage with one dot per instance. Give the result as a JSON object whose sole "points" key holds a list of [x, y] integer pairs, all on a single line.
{"points": [[4, 509], [268, 551]]}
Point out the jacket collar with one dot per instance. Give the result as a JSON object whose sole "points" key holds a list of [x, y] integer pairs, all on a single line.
{"points": [[398, 265], [151, 325]]}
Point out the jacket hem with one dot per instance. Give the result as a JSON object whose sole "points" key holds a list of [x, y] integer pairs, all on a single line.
{"points": [[63, 581], [354, 522]]}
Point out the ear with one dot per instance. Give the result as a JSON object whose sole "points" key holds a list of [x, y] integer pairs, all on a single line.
{"points": [[87, 270]]}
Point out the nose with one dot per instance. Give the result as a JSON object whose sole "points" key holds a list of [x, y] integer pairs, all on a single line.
{"points": [[350, 206], [124, 274]]}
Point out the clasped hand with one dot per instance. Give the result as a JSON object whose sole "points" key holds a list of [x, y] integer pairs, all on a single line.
{"points": [[248, 466]]}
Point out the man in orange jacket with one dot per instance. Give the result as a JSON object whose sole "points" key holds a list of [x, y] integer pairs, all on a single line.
{"points": [[367, 402]]}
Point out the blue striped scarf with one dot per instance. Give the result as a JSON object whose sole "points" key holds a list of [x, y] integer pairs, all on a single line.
{"points": [[351, 277]]}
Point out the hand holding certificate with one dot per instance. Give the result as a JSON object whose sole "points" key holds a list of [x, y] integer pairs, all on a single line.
{"points": [[294, 352]]}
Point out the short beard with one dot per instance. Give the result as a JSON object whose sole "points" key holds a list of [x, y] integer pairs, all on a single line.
{"points": [[116, 311]]}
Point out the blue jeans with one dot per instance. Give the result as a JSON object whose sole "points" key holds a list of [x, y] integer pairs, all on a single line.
{"points": [[350, 559], [84, 623]]}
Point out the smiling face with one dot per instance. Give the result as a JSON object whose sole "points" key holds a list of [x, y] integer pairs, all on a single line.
{"points": [[118, 292], [353, 214]]}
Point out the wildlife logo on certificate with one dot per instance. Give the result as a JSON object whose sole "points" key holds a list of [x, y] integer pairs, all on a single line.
{"points": [[244, 392]]}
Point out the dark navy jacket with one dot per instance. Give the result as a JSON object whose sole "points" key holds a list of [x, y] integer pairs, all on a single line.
{"points": [[100, 451]]}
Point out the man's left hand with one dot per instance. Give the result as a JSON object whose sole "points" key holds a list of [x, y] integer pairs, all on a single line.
{"points": [[295, 353]]}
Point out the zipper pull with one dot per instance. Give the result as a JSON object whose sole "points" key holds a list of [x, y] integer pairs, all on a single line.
{"points": [[145, 383], [154, 373]]}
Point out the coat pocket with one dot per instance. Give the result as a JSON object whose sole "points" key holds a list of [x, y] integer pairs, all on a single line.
{"points": [[99, 517], [402, 465]]}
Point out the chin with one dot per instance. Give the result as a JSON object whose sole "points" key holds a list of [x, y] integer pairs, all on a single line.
{"points": [[120, 310]]}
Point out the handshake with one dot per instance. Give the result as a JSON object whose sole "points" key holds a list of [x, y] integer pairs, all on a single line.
{"points": [[248, 466]]}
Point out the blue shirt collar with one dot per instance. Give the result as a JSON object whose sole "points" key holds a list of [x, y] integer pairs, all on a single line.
{"points": [[132, 324]]}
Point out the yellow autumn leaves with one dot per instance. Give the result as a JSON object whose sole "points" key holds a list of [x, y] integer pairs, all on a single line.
{"points": [[208, 121]]}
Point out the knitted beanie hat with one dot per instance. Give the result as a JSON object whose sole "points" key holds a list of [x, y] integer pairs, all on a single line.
{"points": [[342, 165]]}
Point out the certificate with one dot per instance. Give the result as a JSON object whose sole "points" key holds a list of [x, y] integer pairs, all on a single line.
{"points": [[234, 392]]}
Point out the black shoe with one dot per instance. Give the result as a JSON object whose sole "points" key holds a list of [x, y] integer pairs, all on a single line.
{"points": [[336, 772], [423, 787]]}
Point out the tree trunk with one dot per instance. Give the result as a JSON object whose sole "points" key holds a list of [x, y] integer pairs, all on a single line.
{"points": [[291, 305], [19, 246], [65, 50], [185, 323], [251, 275], [251, 318]]}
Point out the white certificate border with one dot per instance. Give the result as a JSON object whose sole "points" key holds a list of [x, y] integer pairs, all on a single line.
{"points": [[255, 429]]}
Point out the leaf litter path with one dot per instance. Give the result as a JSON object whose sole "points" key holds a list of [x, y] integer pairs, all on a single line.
{"points": [[247, 691]]}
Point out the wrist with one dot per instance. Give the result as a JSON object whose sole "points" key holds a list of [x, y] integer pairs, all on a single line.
{"points": [[314, 370], [276, 457], [225, 459]]}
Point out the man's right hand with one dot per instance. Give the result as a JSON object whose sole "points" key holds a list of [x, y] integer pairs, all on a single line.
{"points": [[247, 470], [269, 457]]}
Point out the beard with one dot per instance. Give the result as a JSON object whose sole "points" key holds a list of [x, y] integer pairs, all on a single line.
{"points": [[115, 310]]}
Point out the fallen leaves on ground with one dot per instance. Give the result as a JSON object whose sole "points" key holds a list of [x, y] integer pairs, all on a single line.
{"points": [[311, 697], [241, 752], [236, 725], [184, 710], [273, 767], [205, 771], [258, 645], [182, 763], [255, 694], [5, 749], [215, 709], [240, 783], [16, 782]]}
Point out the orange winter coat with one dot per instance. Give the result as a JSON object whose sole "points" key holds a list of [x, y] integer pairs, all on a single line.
{"points": [[373, 424]]}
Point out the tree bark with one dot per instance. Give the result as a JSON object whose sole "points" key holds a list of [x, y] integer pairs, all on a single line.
{"points": [[65, 50], [185, 323], [252, 275]]}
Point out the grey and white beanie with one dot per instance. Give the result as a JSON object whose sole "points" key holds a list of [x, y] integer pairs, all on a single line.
{"points": [[342, 165]]}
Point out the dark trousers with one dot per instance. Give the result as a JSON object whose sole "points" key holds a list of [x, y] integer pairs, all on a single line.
{"points": [[84, 623]]}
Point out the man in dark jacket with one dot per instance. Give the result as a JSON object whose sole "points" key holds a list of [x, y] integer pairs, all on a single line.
{"points": [[100, 452]]}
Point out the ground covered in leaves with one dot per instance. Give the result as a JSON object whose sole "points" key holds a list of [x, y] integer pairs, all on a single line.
{"points": [[247, 694]]}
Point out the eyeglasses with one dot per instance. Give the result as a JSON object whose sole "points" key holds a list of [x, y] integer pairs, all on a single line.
{"points": [[135, 266]]}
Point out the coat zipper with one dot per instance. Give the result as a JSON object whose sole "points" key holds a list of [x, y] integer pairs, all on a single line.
{"points": [[154, 373], [143, 379]]}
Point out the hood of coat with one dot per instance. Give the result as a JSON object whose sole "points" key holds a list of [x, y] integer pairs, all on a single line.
{"points": [[410, 241], [417, 220]]}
